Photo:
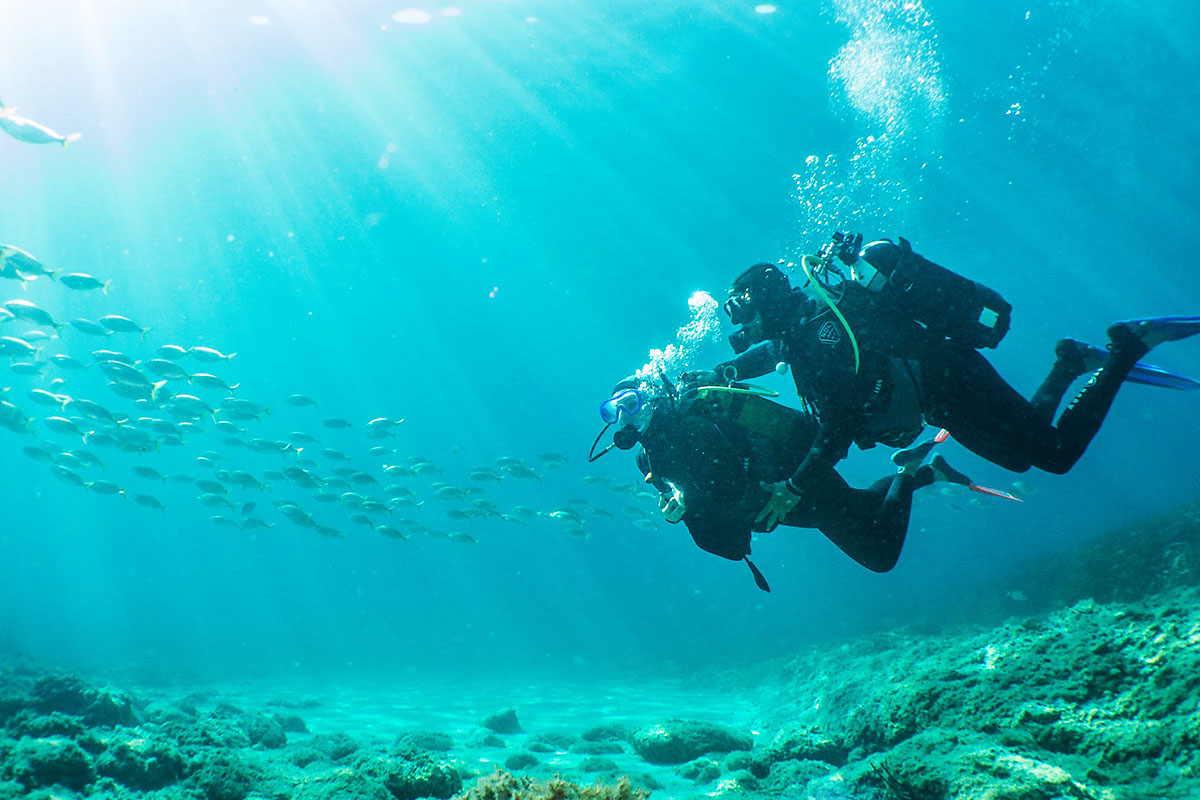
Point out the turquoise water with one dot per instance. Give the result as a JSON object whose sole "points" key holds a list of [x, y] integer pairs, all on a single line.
{"points": [[478, 222]]}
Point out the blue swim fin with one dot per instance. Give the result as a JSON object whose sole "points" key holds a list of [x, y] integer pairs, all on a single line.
{"points": [[1148, 374], [1155, 330]]}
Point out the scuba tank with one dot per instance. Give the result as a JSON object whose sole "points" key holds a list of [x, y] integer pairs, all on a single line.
{"points": [[944, 303]]}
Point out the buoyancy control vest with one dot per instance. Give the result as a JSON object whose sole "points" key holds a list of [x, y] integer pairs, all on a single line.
{"points": [[943, 303]]}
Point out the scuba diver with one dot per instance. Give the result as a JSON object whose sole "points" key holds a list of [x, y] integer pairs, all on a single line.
{"points": [[711, 450], [879, 353]]}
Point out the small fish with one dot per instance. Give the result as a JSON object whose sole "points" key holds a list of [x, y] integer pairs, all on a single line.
{"points": [[149, 501], [521, 471], [165, 368], [208, 354], [334, 455], [63, 425], [251, 523], [363, 479], [462, 538], [149, 473], [6, 315], [269, 446], [132, 392], [119, 324], [375, 507], [93, 411], [382, 451], [82, 282], [247, 508], [225, 426], [191, 404], [332, 533], [26, 130], [217, 500], [27, 367], [485, 474], [42, 397], [300, 400], [209, 486], [105, 487], [63, 361], [171, 351], [352, 499], [69, 460], [101, 439], [90, 328], [207, 381], [337, 423], [12, 346], [121, 372], [391, 533], [68, 476], [19, 265], [113, 355], [23, 309], [303, 438], [225, 522], [553, 458], [38, 454]]}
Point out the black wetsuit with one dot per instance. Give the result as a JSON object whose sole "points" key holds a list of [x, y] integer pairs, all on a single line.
{"points": [[907, 378], [719, 448]]}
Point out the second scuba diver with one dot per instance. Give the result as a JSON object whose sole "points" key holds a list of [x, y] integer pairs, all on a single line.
{"points": [[880, 353], [709, 450]]}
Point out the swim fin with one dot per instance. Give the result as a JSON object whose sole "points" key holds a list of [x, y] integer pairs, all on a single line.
{"points": [[1148, 374], [1156, 330]]}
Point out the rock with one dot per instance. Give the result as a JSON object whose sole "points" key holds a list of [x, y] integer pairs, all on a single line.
{"points": [[502, 721], [341, 784], [789, 779], [700, 770], [160, 714], [409, 774], [100, 707], [552, 742], [47, 762], [142, 764], [597, 748], [264, 731], [335, 746], [426, 740], [222, 776], [486, 740], [41, 726], [598, 764], [291, 723], [538, 746], [601, 733], [521, 761], [803, 744], [208, 732], [11, 702], [677, 741], [755, 763], [304, 755]]}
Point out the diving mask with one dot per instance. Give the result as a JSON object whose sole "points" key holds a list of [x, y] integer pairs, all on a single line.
{"points": [[624, 405]]}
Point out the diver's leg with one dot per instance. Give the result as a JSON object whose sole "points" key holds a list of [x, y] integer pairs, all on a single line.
{"points": [[968, 397], [1069, 364], [869, 525], [1081, 421]]}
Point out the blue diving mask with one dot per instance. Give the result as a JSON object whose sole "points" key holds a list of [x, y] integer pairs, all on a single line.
{"points": [[625, 404]]}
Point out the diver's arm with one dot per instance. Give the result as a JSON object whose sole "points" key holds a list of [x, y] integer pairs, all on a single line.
{"points": [[754, 363], [830, 446], [643, 463]]}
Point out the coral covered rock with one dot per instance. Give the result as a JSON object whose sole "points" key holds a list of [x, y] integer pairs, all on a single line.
{"points": [[505, 786], [502, 721], [677, 741]]}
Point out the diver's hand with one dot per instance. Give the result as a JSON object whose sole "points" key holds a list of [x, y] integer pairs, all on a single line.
{"points": [[701, 377], [783, 500], [671, 503], [848, 245]]}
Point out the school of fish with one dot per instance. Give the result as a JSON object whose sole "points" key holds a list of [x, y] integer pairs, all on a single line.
{"points": [[171, 400]]}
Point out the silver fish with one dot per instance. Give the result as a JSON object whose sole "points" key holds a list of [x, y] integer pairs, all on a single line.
{"points": [[82, 282]]}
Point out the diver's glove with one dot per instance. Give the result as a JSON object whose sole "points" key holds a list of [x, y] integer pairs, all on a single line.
{"points": [[784, 497], [847, 246], [671, 503], [702, 377]]}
